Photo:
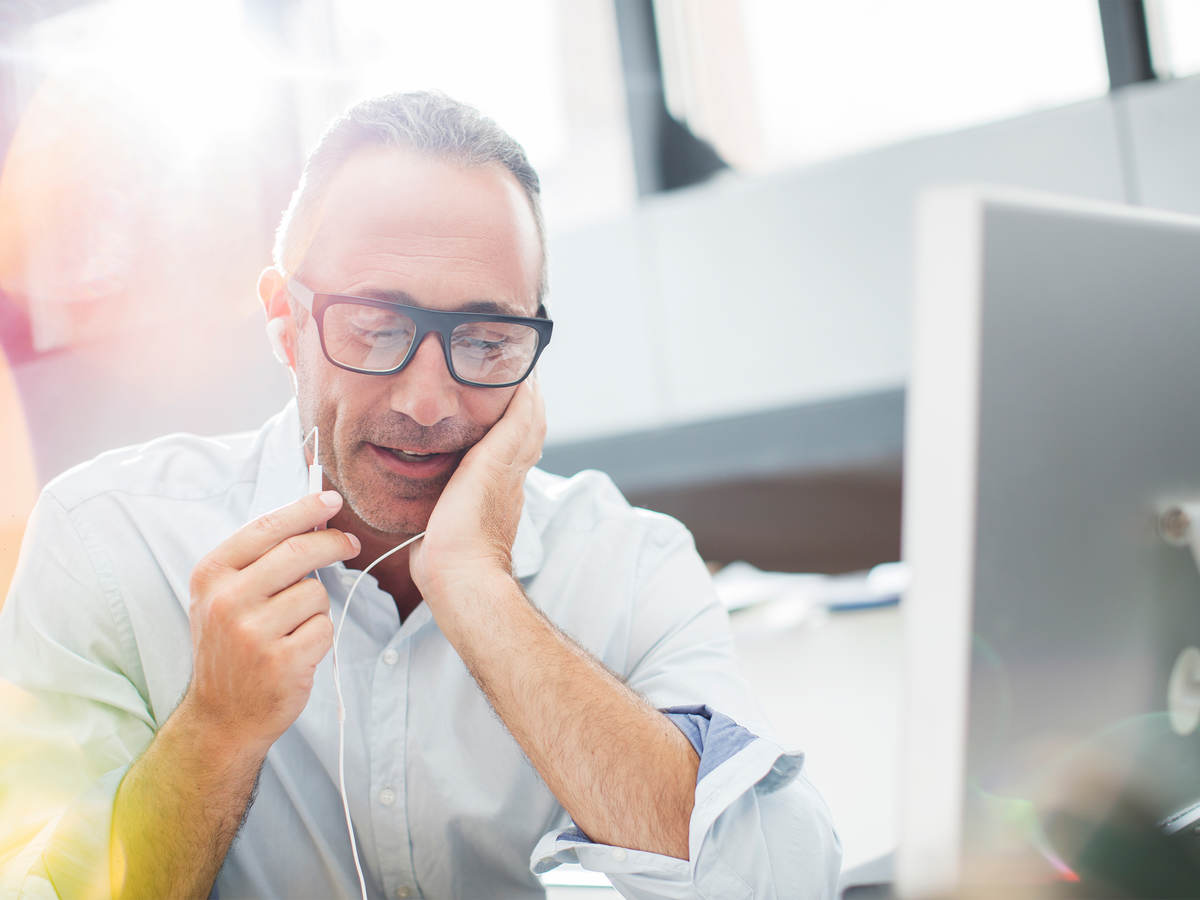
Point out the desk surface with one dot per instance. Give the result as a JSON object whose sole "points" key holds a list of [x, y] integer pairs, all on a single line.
{"points": [[832, 686]]}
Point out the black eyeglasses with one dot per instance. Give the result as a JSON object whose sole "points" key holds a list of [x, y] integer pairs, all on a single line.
{"points": [[379, 337]]}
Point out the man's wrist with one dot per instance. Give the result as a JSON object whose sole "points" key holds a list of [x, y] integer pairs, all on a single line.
{"points": [[210, 739], [472, 595], [463, 583]]}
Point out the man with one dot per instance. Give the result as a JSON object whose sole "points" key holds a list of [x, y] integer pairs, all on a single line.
{"points": [[544, 676]]}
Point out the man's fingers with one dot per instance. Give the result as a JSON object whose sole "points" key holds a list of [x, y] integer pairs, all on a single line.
{"points": [[531, 415], [294, 557], [290, 608], [517, 438], [538, 402], [254, 539], [312, 639]]}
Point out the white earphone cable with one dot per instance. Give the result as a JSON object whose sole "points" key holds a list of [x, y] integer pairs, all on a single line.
{"points": [[341, 707], [315, 437], [315, 484]]}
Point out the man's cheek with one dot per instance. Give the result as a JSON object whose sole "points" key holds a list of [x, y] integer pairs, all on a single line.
{"points": [[497, 406]]}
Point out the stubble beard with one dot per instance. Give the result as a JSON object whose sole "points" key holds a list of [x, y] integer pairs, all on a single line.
{"points": [[390, 505], [387, 502]]}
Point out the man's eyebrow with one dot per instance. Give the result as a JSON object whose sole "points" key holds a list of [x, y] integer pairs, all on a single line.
{"points": [[491, 307], [391, 296], [488, 307]]}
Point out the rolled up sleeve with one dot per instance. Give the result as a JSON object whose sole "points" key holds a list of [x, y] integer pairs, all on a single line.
{"points": [[758, 827]]}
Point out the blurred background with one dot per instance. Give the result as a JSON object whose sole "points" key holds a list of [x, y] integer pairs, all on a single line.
{"points": [[728, 184]]}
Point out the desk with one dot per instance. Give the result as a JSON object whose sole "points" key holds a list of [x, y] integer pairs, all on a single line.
{"points": [[832, 687]]}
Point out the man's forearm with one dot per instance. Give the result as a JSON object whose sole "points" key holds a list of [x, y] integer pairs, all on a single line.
{"points": [[177, 811], [623, 771]]}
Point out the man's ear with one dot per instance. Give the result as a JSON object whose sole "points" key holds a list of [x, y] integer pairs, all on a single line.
{"points": [[281, 325]]}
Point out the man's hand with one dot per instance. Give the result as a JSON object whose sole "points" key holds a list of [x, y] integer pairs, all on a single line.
{"points": [[470, 533], [259, 626], [621, 769]]}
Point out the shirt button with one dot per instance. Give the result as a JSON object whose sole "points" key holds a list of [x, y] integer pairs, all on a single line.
{"points": [[387, 796], [619, 853], [402, 892], [390, 656]]}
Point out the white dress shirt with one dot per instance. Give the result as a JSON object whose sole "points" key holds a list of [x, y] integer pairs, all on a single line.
{"points": [[95, 648]]}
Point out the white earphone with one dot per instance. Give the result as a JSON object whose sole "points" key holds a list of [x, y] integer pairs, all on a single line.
{"points": [[275, 329]]}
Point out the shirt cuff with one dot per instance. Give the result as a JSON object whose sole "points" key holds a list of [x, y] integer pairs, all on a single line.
{"points": [[733, 760], [716, 738]]}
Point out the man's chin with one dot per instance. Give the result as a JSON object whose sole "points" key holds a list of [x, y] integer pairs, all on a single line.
{"points": [[387, 522], [389, 504]]}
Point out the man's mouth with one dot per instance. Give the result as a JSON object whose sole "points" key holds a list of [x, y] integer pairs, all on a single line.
{"points": [[415, 463], [409, 455]]}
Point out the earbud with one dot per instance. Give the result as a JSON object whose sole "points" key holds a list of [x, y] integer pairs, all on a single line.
{"points": [[275, 330]]}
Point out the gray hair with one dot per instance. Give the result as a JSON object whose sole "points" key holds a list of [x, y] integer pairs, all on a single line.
{"points": [[426, 121]]}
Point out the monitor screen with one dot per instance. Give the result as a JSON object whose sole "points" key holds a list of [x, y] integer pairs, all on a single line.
{"points": [[1054, 407]]}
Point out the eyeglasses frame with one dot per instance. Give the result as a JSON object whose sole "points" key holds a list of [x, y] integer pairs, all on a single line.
{"points": [[427, 321]]}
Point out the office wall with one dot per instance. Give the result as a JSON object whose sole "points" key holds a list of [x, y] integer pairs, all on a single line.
{"points": [[754, 293], [1163, 143], [206, 376]]}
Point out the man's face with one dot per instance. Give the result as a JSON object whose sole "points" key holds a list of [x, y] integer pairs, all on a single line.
{"points": [[402, 226]]}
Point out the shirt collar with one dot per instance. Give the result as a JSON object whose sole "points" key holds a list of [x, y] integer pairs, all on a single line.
{"points": [[283, 479], [282, 468]]}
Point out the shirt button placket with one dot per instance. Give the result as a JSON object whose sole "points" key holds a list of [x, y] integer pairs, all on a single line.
{"points": [[389, 720]]}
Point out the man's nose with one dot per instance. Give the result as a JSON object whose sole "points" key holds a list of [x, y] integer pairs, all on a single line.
{"points": [[424, 390]]}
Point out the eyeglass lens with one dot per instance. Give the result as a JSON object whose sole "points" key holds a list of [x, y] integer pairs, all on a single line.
{"points": [[377, 340]]}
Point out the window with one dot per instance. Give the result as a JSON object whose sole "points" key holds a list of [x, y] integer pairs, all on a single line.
{"points": [[153, 146], [1174, 27], [778, 84], [134, 188], [548, 72]]}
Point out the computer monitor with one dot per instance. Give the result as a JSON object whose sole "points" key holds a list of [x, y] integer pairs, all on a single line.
{"points": [[1054, 407]]}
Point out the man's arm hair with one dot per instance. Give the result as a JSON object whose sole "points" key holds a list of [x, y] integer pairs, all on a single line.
{"points": [[182, 803], [622, 770], [178, 810]]}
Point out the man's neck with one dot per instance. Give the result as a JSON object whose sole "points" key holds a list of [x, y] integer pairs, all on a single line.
{"points": [[392, 574]]}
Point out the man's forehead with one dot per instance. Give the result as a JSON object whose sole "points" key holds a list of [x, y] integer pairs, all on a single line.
{"points": [[394, 213]]}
